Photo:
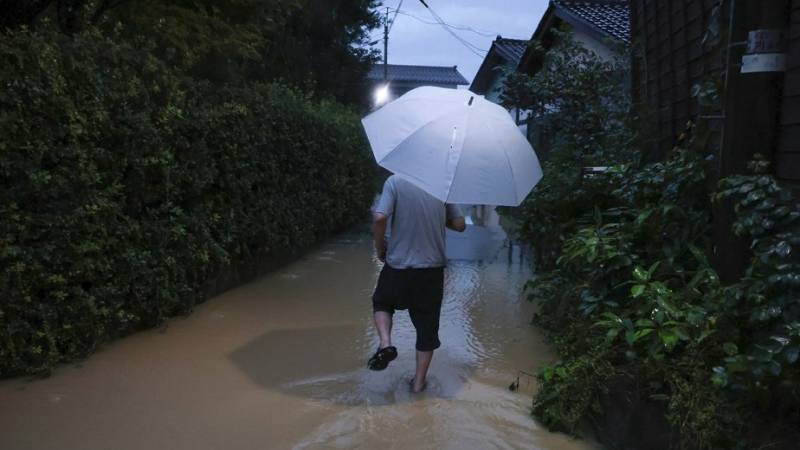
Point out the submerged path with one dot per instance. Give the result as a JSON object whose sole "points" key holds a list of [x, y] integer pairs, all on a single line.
{"points": [[280, 363]]}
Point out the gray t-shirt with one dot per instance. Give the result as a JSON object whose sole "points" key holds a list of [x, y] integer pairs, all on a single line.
{"points": [[417, 225]]}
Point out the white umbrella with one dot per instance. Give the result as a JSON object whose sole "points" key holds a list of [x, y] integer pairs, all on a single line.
{"points": [[456, 145]]}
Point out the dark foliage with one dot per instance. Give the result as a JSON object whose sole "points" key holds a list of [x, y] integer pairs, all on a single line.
{"points": [[125, 188], [625, 287], [320, 46]]}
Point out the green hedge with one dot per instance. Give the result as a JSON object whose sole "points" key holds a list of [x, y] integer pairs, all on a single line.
{"points": [[125, 189]]}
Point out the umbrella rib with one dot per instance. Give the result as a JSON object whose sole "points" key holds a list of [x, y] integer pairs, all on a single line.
{"points": [[508, 161], [460, 158], [443, 113]]}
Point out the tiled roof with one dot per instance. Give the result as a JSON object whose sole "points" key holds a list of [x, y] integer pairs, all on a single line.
{"points": [[504, 52], [418, 74], [510, 49], [610, 17]]}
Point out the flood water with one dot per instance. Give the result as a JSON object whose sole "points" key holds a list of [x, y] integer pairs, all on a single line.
{"points": [[280, 363]]}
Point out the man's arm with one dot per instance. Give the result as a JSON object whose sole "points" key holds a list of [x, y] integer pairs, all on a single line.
{"points": [[379, 222], [455, 218], [380, 217], [457, 224]]}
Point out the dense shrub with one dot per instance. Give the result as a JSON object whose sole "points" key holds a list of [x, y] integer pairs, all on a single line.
{"points": [[125, 188], [580, 116], [635, 286], [627, 294]]}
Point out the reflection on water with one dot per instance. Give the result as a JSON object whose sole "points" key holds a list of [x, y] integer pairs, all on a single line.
{"points": [[281, 363]]}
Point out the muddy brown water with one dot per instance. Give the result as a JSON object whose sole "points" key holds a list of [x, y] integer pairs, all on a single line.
{"points": [[280, 363]]}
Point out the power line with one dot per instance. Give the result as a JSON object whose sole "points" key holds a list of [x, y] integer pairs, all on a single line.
{"points": [[396, 12], [478, 31], [474, 49]]}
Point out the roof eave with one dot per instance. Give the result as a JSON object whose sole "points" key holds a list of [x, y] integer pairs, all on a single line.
{"points": [[553, 13], [481, 80], [581, 24], [453, 76], [544, 25]]}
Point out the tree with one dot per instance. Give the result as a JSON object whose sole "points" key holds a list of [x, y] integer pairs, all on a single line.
{"points": [[323, 47], [580, 111], [71, 15], [319, 46], [207, 39], [21, 12], [578, 96]]}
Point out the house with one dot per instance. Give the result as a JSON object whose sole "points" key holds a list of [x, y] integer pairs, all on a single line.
{"points": [[504, 54], [403, 78], [599, 25]]}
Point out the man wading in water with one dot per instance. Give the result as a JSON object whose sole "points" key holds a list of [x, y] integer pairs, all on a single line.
{"points": [[413, 274]]}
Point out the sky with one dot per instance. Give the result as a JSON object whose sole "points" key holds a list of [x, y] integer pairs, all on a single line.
{"points": [[414, 42]]}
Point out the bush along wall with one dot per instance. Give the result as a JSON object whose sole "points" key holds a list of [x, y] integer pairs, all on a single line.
{"points": [[655, 352], [125, 188]]}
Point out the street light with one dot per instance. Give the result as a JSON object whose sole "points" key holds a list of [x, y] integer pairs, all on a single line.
{"points": [[382, 94]]}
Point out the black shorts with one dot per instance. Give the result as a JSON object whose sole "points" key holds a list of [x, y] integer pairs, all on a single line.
{"points": [[418, 290]]}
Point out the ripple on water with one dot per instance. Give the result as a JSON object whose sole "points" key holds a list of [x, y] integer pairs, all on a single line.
{"points": [[327, 258]]}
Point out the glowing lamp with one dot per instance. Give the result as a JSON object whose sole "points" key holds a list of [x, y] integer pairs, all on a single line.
{"points": [[381, 95]]}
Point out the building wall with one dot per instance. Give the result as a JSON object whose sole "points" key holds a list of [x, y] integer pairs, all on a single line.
{"points": [[756, 112], [669, 58], [787, 159], [599, 47], [496, 87]]}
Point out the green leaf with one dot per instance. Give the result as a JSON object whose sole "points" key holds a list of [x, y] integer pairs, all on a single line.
{"points": [[730, 348], [627, 324], [774, 367], [668, 338], [630, 337], [746, 188], [704, 335], [640, 274], [643, 216], [681, 333], [719, 377], [781, 340], [637, 290], [612, 334], [652, 269], [791, 354], [642, 333], [783, 249]]}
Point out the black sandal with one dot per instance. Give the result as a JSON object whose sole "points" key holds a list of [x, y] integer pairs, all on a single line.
{"points": [[381, 359]]}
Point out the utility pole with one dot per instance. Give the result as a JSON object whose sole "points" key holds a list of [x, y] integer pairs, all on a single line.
{"points": [[386, 47]]}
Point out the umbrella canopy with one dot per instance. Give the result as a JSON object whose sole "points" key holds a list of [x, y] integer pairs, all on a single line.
{"points": [[455, 145]]}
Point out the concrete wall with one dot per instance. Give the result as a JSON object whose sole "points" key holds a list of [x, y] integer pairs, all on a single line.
{"points": [[496, 88], [600, 48]]}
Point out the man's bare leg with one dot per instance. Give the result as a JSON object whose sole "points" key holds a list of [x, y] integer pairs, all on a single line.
{"points": [[423, 363], [383, 323]]}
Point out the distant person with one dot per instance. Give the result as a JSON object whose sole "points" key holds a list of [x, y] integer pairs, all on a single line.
{"points": [[413, 274]]}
